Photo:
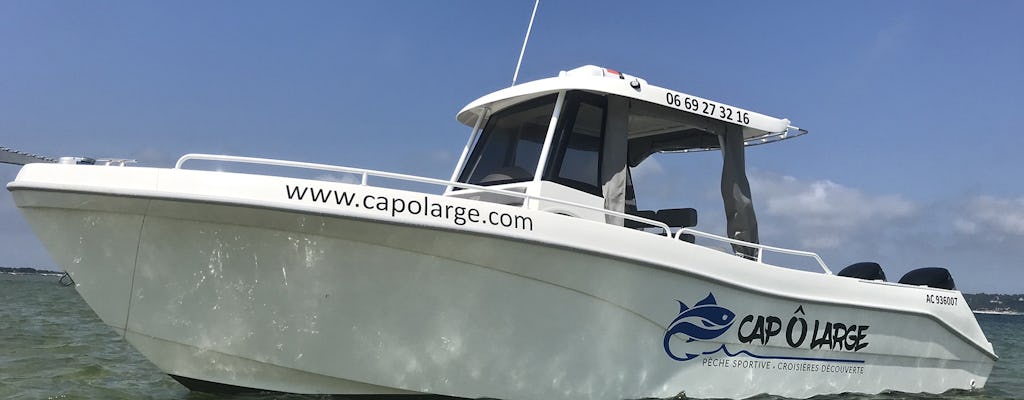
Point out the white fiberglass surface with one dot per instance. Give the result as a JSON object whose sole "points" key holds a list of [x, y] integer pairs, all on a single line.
{"points": [[401, 306], [435, 307], [95, 246]]}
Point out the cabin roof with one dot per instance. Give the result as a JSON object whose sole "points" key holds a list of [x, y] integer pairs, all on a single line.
{"points": [[603, 80]]}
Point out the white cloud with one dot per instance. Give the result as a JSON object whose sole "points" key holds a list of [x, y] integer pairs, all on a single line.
{"points": [[649, 168], [965, 226], [656, 187], [344, 178], [151, 156], [888, 41], [993, 215], [444, 157], [432, 163], [823, 214], [825, 203]]}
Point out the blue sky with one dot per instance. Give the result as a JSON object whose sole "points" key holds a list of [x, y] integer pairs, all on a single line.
{"points": [[913, 106]]}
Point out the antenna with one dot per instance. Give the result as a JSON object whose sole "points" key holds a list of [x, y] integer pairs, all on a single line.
{"points": [[525, 39]]}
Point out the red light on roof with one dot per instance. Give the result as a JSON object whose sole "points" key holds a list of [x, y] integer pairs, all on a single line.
{"points": [[613, 72]]}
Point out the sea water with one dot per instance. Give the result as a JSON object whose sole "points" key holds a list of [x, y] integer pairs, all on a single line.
{"points": [[52, 346]]}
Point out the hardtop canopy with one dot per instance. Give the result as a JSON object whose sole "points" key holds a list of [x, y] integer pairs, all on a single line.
{"points": [[613, 121], [659, 111]]}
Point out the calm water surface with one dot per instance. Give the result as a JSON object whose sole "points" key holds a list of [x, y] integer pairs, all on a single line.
{"points": [[52, 346]]}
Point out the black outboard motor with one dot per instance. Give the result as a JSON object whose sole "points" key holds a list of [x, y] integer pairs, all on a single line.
{"points": [[864, 270], [935, 277]]}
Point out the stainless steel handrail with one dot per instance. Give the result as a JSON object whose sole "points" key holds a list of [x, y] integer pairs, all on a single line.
{"points": [[364, 173], [760, 247]]}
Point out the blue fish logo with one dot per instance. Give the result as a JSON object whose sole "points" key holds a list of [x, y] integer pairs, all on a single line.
{"points": [[704, 321]]}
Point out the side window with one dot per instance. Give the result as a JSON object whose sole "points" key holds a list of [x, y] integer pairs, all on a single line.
{"points": [[577, 155]]}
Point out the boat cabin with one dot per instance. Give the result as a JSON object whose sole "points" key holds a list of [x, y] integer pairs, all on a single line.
{"points": [[574, 137]]}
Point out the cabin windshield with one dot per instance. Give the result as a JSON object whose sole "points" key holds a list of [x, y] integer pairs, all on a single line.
{"points": [[510, 145]]}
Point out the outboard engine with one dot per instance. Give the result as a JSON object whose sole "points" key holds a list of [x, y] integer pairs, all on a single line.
{"points": [[935, 277], [864, 270]]}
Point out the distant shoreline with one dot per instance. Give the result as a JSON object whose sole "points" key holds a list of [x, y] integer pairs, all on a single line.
{"points": [[996, 304], [997, 312], [28, 270]]}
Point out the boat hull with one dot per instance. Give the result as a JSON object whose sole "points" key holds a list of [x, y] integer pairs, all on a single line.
{"points": [[322, 300]]}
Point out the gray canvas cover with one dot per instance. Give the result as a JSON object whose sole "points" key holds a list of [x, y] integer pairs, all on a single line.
{"points": [[741, 223], [613, 164]]}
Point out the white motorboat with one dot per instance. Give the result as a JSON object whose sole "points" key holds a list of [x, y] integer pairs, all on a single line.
{"points": [[531, 276]]}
